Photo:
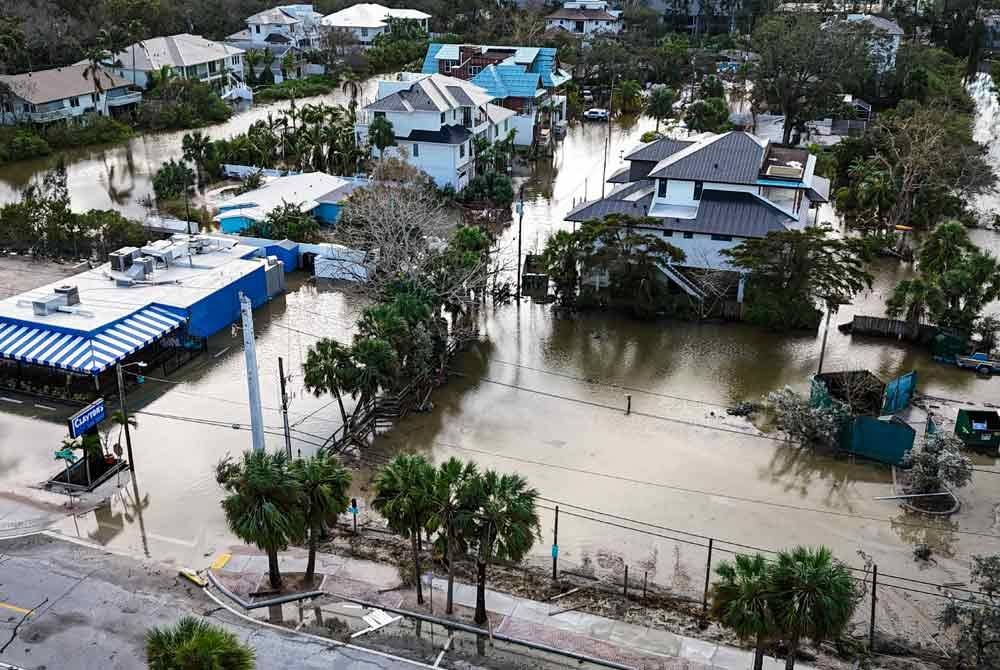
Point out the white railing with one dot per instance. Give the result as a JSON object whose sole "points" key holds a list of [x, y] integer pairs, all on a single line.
{"points": [[130, 98], [52, 115]]}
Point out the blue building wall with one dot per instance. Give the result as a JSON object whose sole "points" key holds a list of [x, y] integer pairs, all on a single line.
{"points": [[328, 212], [218, 310]]}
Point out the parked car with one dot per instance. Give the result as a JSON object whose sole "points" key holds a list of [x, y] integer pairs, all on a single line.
{"points": [[588, 96], [980, 362], [597, 114]]}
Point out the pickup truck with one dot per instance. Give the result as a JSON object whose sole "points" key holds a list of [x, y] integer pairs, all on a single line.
{"points": [[980, 362]]}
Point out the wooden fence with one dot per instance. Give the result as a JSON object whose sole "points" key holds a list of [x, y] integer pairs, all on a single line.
{"points": [[882, 327]]}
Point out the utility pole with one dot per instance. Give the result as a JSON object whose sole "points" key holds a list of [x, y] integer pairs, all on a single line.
{"points": [[520, 228], [284, 407], [826, 331], [124, 411], [253, 382]]}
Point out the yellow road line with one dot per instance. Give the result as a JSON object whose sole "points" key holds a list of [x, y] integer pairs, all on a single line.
{"points": [[8, 606], [220, 561]]}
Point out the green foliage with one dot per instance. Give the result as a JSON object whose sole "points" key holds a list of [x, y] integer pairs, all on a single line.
{"points": [[937, 463], [178, 104], [562, 257], [296, 88], [21, 143], [492, 187], [263, 504], [711, 87], [24, 142], [740, 600], [324, 483], [976, 618], [172, 179], [661, 105], [796, 272], [711, 115], [193, 643], [381, 135], [403, 46], [956, 281], [628, 97], [450, 513], [286, 222]]}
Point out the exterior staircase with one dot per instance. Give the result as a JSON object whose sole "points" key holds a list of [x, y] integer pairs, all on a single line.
{"points": [[675, 275]]}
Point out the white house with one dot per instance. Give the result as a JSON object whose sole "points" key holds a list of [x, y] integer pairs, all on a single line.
{"points": [[885, 41], [187, 56], [292, 25], [435, 119], [585, 17], [707, 194], [368, 21], [63, 93]]}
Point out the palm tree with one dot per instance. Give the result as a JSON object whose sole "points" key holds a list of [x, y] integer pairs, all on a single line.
{"points": [[161, 77], [740, 601], [326, 366], [661, 104], [450, 484], [913, 299], [404, 495], [351, 86], [323, 482], [96, 57], [193, 643], [263, 505], [503, 525], [813, 596], [381, 135], [374, 368], [196, 147]]}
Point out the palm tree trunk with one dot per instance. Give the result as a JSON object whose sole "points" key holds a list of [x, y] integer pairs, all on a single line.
{"points": [[449, 605], [793, 647], [758, 654], [273, 574], [311, 564], [416, 566], [480, 592]]}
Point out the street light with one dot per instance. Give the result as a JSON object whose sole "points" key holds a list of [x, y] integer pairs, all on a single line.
{"points": [[121, 403]]}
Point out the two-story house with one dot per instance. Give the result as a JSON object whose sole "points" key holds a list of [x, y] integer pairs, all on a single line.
{"points": [[367, 21], [187, 57], [435, 120], [584, 17], [523, 79], [289, 25], [63, 93], [707, 194]]}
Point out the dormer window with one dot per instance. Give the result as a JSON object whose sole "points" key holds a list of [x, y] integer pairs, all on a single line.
{"points": [[661, 188], [698, 186], [442, 117]]}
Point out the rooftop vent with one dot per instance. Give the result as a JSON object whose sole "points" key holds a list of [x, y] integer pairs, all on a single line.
{"points": [[784, 171], [71, 293]]}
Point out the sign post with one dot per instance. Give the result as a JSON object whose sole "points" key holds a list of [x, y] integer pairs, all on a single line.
{"points": [[86, 418]]}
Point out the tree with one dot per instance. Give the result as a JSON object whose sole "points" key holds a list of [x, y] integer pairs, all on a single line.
{"points": [[795, 272], [263, 503], [711, 87], [197, 150], [172, 180], [711, 115], [375, 367], [813, 596], [817, 427], [381, 135], [502, 527], [976, 616], [449, 515], [193, 643], [404, 495], [323, 483], [628, 96], [802, 64], [740, 601], [937, 463], [96, 57], [327, 369], [287, 221], [661, 104], [562, 256]]}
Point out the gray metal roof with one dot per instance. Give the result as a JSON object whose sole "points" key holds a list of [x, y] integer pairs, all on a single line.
{"points": [[735, 213], [461, 96], [657, 150], [617, 202], [447, 135], [620, 177], [732, 158]]}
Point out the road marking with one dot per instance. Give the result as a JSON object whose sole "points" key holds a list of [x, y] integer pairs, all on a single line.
{"points": [[220, 561], [40, 406], [15, 608], [171, 540], [16, 402]]}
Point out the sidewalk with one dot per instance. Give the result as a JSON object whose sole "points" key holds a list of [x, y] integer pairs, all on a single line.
{"points": [[630, 644]]}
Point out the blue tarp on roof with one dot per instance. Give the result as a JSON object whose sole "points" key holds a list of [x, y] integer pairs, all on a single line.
{"points": [[507, 81], [545, 65], [430, 65], [87, 354]]}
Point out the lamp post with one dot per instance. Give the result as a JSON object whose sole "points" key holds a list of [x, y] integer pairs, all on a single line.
{"points": [[121, 404]]}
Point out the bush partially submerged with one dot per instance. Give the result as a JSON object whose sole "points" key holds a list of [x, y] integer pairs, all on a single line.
{"points": [[816, 427], [937, 463]]}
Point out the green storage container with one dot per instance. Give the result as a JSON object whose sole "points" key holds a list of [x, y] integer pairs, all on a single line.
{"points": [[979, 429]]}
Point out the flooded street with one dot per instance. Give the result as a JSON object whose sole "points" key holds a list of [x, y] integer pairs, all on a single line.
{"points": [[542, 396]]}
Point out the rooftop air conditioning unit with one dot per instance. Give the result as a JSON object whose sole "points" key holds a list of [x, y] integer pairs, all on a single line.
{"points": [[122, 259], [784, 171], [50, 304], [70, 293]]}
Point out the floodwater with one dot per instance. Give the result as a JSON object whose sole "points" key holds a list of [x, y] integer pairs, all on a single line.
{"points": [[545, 397]]}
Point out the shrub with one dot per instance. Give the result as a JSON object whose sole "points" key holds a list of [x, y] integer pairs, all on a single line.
{"points": [[811, 426], [178, 104], [491, 187], [18, 144], [295, 88], [172, 180], [937, 463]]}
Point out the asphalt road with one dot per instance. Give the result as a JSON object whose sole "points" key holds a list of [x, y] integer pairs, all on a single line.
{"points": [[90, 610]]}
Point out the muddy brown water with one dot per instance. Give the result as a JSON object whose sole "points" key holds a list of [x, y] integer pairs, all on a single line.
{"points": [[545, 397]]}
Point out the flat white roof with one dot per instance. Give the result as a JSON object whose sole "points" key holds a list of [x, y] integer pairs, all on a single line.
{"points": [[181, 285], [306, 190], [367, 15]]}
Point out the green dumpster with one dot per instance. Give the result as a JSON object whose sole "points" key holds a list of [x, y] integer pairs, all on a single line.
{"points": [[979, 429]]}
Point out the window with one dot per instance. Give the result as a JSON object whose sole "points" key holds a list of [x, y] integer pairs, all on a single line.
{"points": [[364, 32], [212, 66], [93, 98], [442, 117], [688, 236], [722, 238], [454, 114], [661, 188], [698, 186], [416, 151], [461, 150], [256, 29], [668, 233], [506, 124], [379, 115], [74, 102], [474, 70], [236, 60]]}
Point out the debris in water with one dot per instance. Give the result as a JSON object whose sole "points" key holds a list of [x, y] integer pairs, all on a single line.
{"points": [[922, 552]]}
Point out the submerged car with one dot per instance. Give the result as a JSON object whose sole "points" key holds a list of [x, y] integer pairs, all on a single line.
{"points": [[597, 114]]}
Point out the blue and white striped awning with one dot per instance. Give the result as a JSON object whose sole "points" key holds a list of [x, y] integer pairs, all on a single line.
{"points": [[87, 354]]}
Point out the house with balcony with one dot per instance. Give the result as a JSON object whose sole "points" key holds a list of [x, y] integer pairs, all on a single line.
{"points": [[709, 193], [64, 93], [526, 80], [585, 17], [366, 21], [435, 120], [285, 26], [187, 57]]}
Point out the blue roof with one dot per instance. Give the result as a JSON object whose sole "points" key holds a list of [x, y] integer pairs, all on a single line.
{"points": [[430, 65], [545, 65], [91, 353], [510, 79], [507, 81]]}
